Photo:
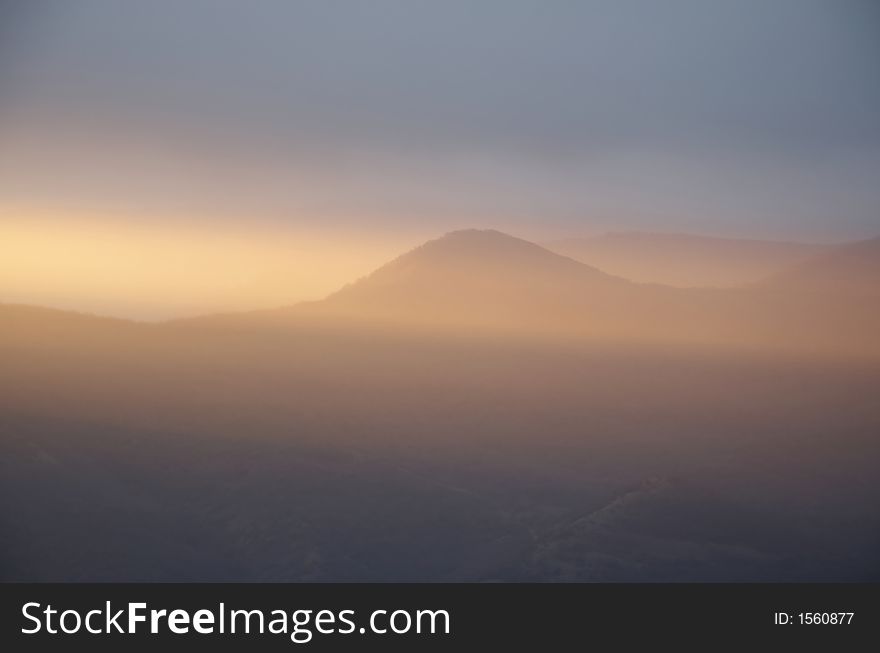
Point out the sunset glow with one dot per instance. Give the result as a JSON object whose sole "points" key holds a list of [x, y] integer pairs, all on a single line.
{"points": [[445, 291], [170, 268]]}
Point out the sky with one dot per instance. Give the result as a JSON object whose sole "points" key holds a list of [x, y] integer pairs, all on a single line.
{"points": [[351, 130]]}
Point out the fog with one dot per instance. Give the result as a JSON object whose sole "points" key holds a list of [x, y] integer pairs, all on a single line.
{"points": [[324, 442]]}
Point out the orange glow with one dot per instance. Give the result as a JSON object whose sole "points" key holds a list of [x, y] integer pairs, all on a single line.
{"points": [[107, 265]]}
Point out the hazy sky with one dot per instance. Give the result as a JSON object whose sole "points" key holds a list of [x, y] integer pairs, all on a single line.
{"points": [[720, 117], [404, 118]]}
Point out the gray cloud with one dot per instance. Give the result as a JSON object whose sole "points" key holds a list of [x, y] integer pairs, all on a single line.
{"points": [[756, 110]]}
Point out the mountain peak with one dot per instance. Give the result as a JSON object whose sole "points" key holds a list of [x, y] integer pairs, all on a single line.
{"points": [[485, 242], [473, 233], [474, 275], [465, 252]]}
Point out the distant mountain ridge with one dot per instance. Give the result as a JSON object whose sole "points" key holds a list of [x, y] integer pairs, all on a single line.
{"points": [[852, 269], [686, 260], [465, 251], [486, 282], [474, 270]]}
